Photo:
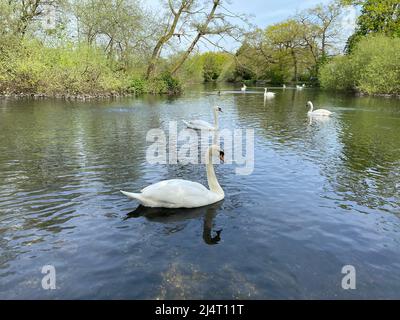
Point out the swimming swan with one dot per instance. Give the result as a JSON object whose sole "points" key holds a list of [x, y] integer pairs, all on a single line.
{"points": [[177, 193], [269, 95], [300, 87], [204, 125], [319, 112], [244, 88]]}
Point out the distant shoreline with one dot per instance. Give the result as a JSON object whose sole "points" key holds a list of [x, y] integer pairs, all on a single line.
{"points": [[71, 97], [81, 97], [112, 96]]}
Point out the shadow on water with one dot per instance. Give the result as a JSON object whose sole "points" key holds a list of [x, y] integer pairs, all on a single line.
{"points": [[167, 216]]}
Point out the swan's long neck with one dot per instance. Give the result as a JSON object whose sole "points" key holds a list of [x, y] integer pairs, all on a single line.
{"points": [[216, 126], [211, 177], [311, 107]]}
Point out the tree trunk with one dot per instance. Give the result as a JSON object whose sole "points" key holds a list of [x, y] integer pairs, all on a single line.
{"points": [[166, 37], [323, 45], [29, 11], [295, 65], [202, 32]]}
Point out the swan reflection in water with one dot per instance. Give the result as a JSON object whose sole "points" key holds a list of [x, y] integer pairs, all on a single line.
{"points": [[167, 216]]}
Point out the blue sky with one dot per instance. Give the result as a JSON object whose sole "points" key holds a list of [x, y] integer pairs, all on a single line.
{"points": [[264, 12], [267, 12]]}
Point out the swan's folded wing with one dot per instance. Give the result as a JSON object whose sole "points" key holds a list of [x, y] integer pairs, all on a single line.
{"points": [[177, 192], [322, 112], [200, 123]]}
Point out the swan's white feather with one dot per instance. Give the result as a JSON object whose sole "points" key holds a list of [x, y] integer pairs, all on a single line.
{"points": [[320, 112], [199, 125], [175, 193]]}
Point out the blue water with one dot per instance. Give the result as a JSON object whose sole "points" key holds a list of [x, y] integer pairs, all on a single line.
{"points": [[323, 194]]}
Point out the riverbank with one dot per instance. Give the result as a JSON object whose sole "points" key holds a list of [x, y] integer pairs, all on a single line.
{"points": [[379, 95], [115, 95], [82, 97], [164, 84], [28, 68], [371, 68]]}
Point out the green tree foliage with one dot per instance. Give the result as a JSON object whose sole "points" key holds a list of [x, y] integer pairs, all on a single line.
{"points": [[66, 70], [104, 52], [205, 67], [277, 54], [377, 16], [367, 69], [292, 50], [213, 65]]}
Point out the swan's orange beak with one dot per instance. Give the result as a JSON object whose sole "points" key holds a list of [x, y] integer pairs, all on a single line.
{"points": [[222, 156]]}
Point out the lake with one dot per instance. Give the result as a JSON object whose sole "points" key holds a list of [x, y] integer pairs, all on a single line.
{"points": [[323, 195]]}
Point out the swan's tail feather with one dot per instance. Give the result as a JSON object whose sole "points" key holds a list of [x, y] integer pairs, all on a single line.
{"points": [[136, 196]]}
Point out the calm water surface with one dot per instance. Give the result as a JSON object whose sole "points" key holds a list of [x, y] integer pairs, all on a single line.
{"points": [[322, 195]]}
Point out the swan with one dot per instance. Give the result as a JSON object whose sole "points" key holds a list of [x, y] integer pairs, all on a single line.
{"points": [[177, 193], [300, 87], [269, 94], [284, 86], [244, 88], [204, 125], [319, 112]]}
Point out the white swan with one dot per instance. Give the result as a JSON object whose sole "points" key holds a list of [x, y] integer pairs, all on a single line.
{"points": [[300, 87], [204, 125], [244, 88], [177, 193], [319, 112], [284, 86], [269, 95]]}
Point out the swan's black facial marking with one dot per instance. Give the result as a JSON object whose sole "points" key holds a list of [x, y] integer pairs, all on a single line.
{"points": [[221, 156], [219, 109]]}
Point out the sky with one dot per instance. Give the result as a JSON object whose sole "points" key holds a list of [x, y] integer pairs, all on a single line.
{"points": [[267, 12]]}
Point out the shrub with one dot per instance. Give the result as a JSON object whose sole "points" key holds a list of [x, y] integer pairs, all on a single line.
{"points": [[137, 85], [165, 83], [172, 85], [373, 67], [338, 74], [377, 61], [33, 68]]}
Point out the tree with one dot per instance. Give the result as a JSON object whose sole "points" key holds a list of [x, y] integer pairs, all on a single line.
{"points": [[257, 57], [299, 45], [177, 11], [320, 29], [377, 16], [20, 14], [217, 23], [367, 68], [118, 26], [213, 64], [287, 36]]}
